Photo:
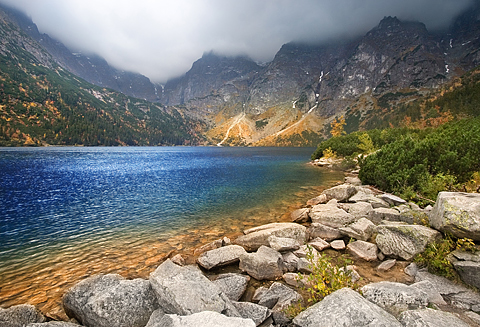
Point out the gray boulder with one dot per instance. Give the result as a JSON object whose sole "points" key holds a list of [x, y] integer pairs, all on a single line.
{"points": [[323, 231], [282, 244], [363, 250], [185, 290], [232, 285], [404, 241], [203, 319], [266, 263], [391, 199], [469, 272], [258, 236], [300, 215], [360, 209], [258, 313], [156, 316], [433, 295], [290, 261], [361, 230], [319, 244], [278, 297], [386, 265], [454, 294], [345, 308], [110, 300], [458, 214], [395, 297], [322, 198], [329, 214], [221, 256], [430, 318], [379, 214], [364, 194], [341, 193], [338, 245], [20, 315]]}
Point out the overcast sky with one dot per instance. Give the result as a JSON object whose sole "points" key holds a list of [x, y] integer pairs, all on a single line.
{"points": [[162, 38]]}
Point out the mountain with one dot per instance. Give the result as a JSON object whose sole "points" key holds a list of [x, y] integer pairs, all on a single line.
{"points": [[91, 68], [293, 99], [42, 103]]}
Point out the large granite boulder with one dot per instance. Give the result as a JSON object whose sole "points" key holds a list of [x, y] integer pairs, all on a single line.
{"points": [[110, 300], [323, 231], [379, 214], [455, 294], [203, 319], [457, 214], [329, 214], [430, 318], [283, 244], [278, 297], [185, 290], [345, 308], [363, 250], [20, 315], [341, 193], [266, 263], [258, 313], [395, 297], [232, 285], [361, 230], [360, 209], [467, 265], [258, 236], [221, 256], [404, 241]]}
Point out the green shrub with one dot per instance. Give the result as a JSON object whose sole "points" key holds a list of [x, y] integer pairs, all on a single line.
{"points": [[325, 279]]}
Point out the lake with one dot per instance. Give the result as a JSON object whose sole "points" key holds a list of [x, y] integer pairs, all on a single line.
{"points": [[69, 212]]}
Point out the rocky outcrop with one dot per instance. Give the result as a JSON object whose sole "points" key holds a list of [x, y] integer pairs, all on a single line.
{"points": [[457, 214], [256, 237], [404, 241], [266, 263], [232, 285], [110, 300], [20, 315], [221, 256], [345, 308], [185, 290]]}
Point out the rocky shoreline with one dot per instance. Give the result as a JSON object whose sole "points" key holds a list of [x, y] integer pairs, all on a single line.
{"points": [[252, 280]]}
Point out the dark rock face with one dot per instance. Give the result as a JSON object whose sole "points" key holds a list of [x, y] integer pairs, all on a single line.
{"points": [[111, 300]]}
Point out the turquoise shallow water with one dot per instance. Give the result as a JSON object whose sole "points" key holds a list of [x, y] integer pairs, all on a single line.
{"points": [[77, 211]]}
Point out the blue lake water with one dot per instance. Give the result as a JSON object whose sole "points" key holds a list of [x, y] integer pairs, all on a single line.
{"points": [[79, 211]]}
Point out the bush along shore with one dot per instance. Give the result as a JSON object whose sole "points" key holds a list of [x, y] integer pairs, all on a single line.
{"points": [[316, 270]]}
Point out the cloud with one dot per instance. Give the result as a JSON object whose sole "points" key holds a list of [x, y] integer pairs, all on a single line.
{"points": [[162, 38]]}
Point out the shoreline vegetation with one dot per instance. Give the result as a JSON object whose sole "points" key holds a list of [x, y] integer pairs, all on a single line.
{"points": [[291, 272]]}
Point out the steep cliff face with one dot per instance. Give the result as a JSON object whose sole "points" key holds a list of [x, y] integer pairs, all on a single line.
{"points": [[393, 63], [91, 68]]}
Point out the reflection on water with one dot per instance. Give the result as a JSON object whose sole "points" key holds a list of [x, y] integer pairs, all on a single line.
{"points": [[69, 213]]}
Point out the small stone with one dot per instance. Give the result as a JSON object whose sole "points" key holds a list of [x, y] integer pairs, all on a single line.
{"points": [[226, 241], [338, 245], [386, 265], [207, 247], [300, 215], [179, 260], [292, 279], [319, 244], [391, 199]]}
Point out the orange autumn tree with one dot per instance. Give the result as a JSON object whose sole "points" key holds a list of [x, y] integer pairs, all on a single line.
{"points": [[337, 126]]}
